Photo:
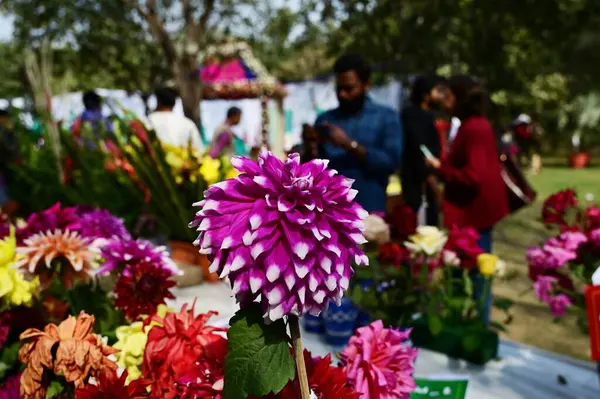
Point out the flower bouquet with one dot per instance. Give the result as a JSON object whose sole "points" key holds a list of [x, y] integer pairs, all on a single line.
{"points": [[65, 261], [564, 266], [437, 284]]}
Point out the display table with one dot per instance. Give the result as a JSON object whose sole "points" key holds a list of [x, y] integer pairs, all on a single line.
{"points": [[522, 372]]}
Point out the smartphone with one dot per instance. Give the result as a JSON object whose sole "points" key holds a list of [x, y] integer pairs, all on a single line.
{"points": [[322, 130], [426, 152]]}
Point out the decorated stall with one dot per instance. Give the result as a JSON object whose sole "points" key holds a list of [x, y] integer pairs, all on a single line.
{"points": [[230, 71]]}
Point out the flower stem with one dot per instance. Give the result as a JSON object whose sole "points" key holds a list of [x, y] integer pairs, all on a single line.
{"points": [[299, 357]]}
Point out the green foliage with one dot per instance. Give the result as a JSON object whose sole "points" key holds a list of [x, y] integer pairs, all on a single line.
{"points": [[9, 359], [258, 360]]}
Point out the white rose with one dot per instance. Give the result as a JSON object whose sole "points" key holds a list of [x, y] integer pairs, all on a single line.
{"points": [[376, 230], [428, 240]]}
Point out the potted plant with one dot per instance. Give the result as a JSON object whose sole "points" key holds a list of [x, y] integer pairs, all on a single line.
{"points": [[435, 284]]}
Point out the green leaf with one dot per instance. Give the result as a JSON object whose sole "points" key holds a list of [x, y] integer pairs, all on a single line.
{"points": [[436, 325], [54, 389], [259, 359], [503, 303], [497, 326], [471, 341], [9, 359]]}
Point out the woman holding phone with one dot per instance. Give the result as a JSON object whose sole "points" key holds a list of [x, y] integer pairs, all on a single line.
{"points": [[474, 192]]}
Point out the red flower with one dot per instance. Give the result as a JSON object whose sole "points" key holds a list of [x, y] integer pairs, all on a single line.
{"points": [[393, 254], [141, 288], [556, 206], [113, 387], [325, 380], [592, 217], [403, 222], [181, 349], [464, 243]]}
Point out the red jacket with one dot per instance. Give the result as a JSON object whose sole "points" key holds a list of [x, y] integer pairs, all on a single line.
{"points": [[474, 193]]}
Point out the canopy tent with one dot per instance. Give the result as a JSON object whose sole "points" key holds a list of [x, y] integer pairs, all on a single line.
{"points": [[231, 72]]}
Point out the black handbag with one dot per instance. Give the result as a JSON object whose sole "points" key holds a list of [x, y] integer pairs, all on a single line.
{"points": [[518, 190]]}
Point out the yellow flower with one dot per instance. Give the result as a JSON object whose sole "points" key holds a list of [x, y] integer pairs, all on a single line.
{"points": [[232, 173], [210, 169], [14, 289], [487, 264], [7, 248], [131, 343], [428, 240]]}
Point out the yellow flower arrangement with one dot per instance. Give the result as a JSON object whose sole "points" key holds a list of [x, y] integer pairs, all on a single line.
{"points": [[181, 160], [131, 343], [14, 289]]}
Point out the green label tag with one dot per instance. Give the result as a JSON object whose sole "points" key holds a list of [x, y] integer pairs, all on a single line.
{"points": [[440, 388]]}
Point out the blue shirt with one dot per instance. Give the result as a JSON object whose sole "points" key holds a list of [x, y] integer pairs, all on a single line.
{"points": [[378, 129]]}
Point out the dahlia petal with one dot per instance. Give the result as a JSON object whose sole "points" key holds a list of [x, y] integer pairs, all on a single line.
{"points": [[319, 296], [276, 295], [245, 165], [240, 284], [290, 278], [313, 282], [331, 282], [301, 294], [325, 262], [257, 280], [276, 312]]}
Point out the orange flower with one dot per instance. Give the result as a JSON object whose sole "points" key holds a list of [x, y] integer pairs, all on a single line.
{"points": [[74, 255], [69, 349]]}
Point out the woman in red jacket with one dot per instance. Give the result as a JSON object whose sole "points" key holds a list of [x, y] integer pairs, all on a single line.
{"points": [[474, 192]]}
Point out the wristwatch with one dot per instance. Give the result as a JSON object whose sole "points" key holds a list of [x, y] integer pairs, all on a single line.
{"points": [[354, 144]]}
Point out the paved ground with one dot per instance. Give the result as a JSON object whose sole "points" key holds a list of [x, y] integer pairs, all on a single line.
{"points": [[522, 373]]}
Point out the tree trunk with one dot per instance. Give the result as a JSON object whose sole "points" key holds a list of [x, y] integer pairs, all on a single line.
{"points": [[187, 78]]}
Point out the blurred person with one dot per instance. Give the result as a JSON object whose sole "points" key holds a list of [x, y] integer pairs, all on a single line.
{"points": [[92, 116], [171, 128], [474, 191], [419, 127], [527, 134], [309, 147], [362, 139], [225, 142], [9, 153]]}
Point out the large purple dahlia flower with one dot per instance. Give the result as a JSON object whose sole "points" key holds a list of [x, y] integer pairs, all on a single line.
{"points": [[119, 254], [284, 231]]}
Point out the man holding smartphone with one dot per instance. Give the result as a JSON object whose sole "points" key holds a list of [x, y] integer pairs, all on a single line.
{"points": [[363, 140]]}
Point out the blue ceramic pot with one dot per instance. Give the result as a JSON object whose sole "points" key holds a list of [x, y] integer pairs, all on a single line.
{"points": [[313, 324], [340, 322]]}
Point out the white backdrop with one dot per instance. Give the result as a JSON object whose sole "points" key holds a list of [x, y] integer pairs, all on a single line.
{"points": [[304, 102]]}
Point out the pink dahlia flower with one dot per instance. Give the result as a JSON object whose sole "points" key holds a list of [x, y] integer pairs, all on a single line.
{"points": [[118, 254], [379, 364], [285, 231], [544, 287], [559, 304]]}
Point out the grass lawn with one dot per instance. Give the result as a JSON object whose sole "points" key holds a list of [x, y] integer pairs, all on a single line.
{"points": [[533, 324]]}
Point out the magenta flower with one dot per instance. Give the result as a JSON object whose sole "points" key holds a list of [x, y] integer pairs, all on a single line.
{"points": [[536, 257], [9, 389], [285, 231], [100, 223], [559, 304], [379, 363], [119, 254], [544, 287], [595, 237]]}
